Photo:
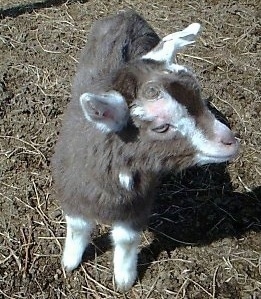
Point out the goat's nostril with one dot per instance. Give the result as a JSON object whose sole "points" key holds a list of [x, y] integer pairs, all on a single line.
{"points": [[229, 141], [224, 135], [226, 142]]}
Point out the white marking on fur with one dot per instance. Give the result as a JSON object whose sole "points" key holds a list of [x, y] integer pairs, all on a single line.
{"points": [[138, 111], [126, 241], [185, 124], [168, 110], [77, 239], [141, 113], [210, 151], [126, 180], [176, 68]]}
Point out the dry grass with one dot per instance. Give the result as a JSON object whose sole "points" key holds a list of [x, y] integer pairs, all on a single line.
{"points": [[203, 239]]}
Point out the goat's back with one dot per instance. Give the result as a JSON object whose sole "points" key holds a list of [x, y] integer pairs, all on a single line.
{"points": [[112, 42]]}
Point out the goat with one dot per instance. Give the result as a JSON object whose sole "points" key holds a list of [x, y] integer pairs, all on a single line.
{"points": [[135, 114]]}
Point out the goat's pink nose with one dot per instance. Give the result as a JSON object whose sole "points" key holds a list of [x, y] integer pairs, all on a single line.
{"points": [[223, 134]]}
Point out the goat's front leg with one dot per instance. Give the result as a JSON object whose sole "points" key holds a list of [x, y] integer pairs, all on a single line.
{"points": [[126, 241], [77, 238]]}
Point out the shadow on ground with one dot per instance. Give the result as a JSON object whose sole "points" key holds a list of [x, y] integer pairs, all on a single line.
{"points": [[194, 209], [20, 9], [199, 216]]}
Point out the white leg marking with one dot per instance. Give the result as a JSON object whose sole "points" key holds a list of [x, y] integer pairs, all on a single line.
{"points": [[77, 239], [126, 180], [126, 241]]}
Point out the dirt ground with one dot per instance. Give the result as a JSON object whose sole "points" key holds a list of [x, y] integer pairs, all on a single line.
{"points": [[204, 236]]}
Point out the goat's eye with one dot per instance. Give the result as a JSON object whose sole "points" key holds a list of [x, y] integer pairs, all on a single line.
{"points": [[151, 91], [161, 129]]}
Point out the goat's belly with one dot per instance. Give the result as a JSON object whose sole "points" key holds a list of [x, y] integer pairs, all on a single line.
{"points": [[109, 209]]}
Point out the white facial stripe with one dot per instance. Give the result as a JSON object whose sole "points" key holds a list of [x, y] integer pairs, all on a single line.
{"points": [[126, 180], [167, 110], [186, 125], [170, 111]]}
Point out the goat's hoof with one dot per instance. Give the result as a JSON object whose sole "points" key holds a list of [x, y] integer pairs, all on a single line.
{"points": [[125, 280], [70, 261]]}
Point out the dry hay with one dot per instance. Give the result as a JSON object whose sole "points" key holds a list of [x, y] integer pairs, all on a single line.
{"points": [[204, 237]]}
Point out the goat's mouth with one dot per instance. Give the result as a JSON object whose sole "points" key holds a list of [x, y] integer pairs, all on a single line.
{"points": [[220, 159], [225, 155]]}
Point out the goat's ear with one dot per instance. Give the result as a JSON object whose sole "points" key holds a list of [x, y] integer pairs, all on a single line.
{"points": [[108, 111], [167, 48]]}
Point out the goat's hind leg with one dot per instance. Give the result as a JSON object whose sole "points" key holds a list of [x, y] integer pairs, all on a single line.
{"points": [[77, 238], [126, 241]]}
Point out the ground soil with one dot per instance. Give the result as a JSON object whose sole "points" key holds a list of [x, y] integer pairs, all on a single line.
{"points": [[204, 236]]}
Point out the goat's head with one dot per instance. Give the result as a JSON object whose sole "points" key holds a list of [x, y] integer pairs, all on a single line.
{"points": [[162, 100]]}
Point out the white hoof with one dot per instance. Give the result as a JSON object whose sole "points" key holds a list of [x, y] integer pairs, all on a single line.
{"points": [[77, 239], [71, 259], [124, 280]]}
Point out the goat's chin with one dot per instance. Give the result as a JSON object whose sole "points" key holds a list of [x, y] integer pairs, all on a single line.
{"points": [[203, 159], [217, 153]]}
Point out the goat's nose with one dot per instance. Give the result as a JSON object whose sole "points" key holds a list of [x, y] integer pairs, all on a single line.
{"points": [[223, 134], [228, 139]]}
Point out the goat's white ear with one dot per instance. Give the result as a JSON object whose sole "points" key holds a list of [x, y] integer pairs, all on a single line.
{"points": [[172, 43], [108, 111]]}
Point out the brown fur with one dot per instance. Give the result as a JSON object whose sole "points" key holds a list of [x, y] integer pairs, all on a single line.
{"points": [[87, 162]]}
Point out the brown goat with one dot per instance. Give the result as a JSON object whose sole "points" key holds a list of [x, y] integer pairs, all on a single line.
{"points": [[134, 115]]}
